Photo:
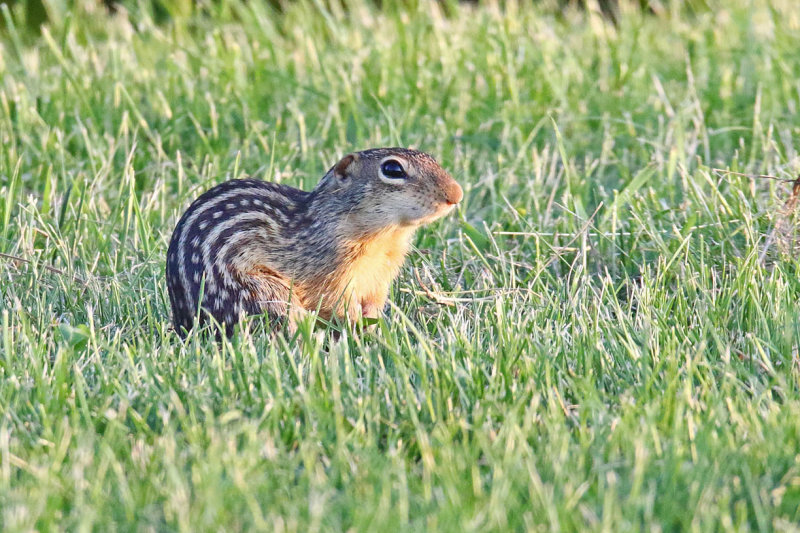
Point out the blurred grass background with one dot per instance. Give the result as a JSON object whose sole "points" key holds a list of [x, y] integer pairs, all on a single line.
{"points": [[607, 335], [31, 14]]}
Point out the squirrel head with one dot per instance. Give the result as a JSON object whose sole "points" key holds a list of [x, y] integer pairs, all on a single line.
{"points": [[382, 188]]}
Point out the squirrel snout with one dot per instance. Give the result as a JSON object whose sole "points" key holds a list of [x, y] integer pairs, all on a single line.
{"points": [[453, 193]]}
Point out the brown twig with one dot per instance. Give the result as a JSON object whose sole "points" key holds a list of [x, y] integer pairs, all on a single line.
{"points": [[49, 268], [753, 176], [785, 212], [781, 226], [29, 262]]}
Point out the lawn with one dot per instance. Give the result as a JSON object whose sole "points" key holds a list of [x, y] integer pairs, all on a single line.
{"points": [[603, 337]]}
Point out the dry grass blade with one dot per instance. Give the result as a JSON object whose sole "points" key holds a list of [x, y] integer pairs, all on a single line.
{"points": [[435, 296]]}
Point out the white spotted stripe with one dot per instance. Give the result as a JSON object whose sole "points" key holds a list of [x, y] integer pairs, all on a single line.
{"points": [[269, 226], [212, 203], [245, 235]]}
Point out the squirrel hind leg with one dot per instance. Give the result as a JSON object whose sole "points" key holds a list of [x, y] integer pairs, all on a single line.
{"points": [[271, 294]]}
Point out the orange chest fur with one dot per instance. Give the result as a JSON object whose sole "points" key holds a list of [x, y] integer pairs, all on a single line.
{"points": [[364, 274], [377, 262]]}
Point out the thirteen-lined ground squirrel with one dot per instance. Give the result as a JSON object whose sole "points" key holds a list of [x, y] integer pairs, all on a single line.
{"points": [[253, 247]]}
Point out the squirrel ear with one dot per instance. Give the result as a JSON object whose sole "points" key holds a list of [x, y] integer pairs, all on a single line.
{"points": [[340, 169]]}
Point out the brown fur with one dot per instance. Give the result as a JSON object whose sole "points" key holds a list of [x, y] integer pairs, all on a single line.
{"points": [[282, 251]]}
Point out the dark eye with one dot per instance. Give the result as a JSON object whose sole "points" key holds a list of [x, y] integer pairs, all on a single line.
{"points": [[392, 169]]}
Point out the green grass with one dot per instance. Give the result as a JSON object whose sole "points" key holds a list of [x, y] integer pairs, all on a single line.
{"points": [[622, 349]]}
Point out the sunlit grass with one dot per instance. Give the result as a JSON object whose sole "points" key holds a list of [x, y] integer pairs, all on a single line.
{"points": [[599, 339]]}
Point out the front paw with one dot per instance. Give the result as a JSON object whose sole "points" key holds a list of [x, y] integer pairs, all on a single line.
{"points": [[369, 310]]}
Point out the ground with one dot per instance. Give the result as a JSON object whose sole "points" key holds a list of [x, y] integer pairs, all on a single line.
{"points": [[604, 336]]}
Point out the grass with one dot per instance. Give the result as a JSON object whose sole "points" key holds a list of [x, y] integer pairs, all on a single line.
{"points": [[621, 352]]}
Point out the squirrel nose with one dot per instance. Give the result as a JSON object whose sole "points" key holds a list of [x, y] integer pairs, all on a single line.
{"points": [[453, 193]]}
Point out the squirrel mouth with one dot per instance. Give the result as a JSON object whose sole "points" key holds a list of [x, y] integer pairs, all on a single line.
{"points": [[445, 209], [440, 211]]}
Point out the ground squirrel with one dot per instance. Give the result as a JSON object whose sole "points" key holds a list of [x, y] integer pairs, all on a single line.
{"points": [[253, 247]]}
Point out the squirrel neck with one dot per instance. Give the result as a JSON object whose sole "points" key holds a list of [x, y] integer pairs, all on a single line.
{"points": [[335, 245]]}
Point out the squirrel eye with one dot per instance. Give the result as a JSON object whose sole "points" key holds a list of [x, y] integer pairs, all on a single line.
{"points": [[392, 169]]}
